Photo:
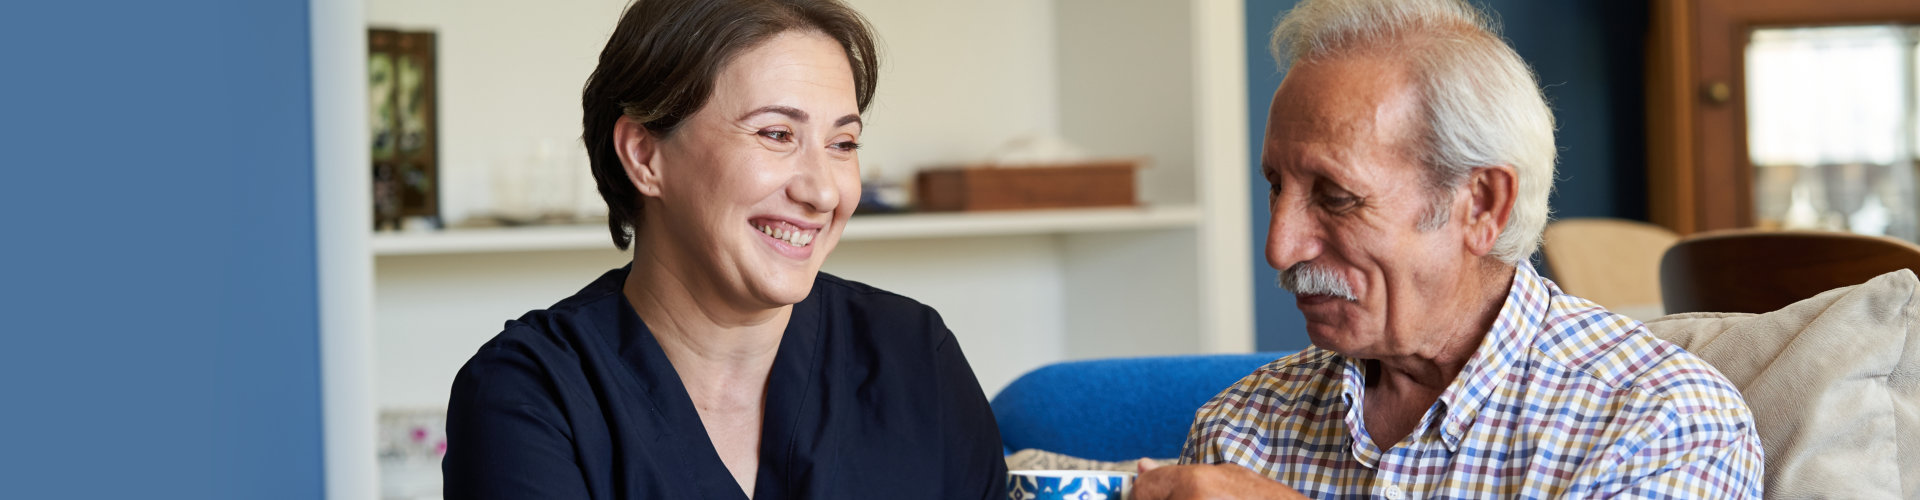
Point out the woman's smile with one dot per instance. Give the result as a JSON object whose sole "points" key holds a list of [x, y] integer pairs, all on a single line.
{"points": [[787, 237]]}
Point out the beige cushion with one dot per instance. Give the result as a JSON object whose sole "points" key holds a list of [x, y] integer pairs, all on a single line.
{"points": [[1031, 459], [1831, 381]]}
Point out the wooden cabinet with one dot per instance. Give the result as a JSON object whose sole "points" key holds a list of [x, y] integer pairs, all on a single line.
{"points": [[1699, 174]]}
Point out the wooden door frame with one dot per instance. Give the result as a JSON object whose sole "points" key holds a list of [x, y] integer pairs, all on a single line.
{"points": [[1699, 177]]}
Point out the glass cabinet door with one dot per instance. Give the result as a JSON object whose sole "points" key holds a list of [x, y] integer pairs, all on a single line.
{"points": [[1831, 128]]}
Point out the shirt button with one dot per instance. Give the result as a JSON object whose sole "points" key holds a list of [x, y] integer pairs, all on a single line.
{"points": [[1394, 493]]}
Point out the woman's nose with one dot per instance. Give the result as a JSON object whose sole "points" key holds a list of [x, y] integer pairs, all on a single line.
{"points": [[816, 183]]}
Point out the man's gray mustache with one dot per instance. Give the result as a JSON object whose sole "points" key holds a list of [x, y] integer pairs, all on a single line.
{"points": [[1305, 278]]}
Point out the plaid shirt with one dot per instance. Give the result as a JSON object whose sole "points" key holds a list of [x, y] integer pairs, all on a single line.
{"points": [[1562, 399]]}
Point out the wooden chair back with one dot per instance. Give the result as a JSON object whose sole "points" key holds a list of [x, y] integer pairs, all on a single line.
{"points": [[1612, 262], [1755, 271]]}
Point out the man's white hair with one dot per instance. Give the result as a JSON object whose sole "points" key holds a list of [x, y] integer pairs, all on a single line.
{"points": [[1481, 104]]}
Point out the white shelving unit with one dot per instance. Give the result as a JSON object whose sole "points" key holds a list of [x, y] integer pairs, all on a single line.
{"points": [[1164, 80], [861, 228], [490, 240]]}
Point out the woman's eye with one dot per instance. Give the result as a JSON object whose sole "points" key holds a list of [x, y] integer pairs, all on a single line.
{"points": [[846, 146], [778, 135]]}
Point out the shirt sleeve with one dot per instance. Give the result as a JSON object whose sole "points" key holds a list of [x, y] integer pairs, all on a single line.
{"points": [[1199, 447], [506, 437], [1711, 454], [977, 464]]}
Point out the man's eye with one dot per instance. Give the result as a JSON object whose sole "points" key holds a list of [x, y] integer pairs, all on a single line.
{"points": [[778, 135], [1339, 203]]}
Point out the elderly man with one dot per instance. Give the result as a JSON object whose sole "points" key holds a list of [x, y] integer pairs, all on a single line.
{"points": [[1410, 154]]}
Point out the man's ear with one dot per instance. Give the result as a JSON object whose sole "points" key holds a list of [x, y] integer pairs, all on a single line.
{"points": [[639, 155], [1490, 197]]}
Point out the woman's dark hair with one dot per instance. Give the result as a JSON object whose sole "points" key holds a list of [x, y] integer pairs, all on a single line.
{"points": [[660, 63]]}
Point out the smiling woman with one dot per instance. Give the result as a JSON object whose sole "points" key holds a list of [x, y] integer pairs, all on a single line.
{"points": [[728, 197], [721, 363]]}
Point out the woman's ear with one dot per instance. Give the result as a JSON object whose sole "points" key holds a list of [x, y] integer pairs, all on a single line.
{"points": [[1491, 192], [639, 155]]}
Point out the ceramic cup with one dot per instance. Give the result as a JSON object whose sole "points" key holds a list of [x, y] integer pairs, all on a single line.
{"points": [[1068, 485]]}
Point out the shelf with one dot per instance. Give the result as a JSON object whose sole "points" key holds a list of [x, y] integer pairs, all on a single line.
{"points": [[863, 227], [959, 224], [488, 240]]}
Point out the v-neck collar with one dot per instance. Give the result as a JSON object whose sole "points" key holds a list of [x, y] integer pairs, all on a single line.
{"points": [[791, 393], [790, 387]]}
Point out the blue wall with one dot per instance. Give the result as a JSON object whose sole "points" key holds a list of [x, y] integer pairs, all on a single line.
{"points": [[159, 286], [1277, 324], [1587, 54]]}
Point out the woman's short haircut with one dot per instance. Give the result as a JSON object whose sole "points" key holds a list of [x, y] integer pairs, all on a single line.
{"points": [[660, 64], [1481, 105]]}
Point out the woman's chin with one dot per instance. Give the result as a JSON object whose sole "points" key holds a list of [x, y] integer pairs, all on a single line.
{"points": [[787, 289], [780, 280]]}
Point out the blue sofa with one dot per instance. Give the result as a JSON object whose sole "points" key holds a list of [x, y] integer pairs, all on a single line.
{"points": [[1116, 409]]}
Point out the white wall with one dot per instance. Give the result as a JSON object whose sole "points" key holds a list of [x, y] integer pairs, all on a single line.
{"points": [[1131, 294], [1125, 87], [958, 79], [510, 73]]}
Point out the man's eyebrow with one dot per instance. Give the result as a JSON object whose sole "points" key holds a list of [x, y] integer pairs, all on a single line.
{"points": [[844, 120], [789, 111]]}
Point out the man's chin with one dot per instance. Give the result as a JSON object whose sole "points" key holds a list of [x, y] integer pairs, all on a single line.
{"points": [[1322, 333], [1330, 330]]}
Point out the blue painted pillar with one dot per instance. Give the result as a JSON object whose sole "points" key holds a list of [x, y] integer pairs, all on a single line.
{"points": [[159, 279]]}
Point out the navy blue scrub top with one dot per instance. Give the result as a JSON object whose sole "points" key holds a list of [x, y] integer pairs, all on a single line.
{"points": [[869, 397]]}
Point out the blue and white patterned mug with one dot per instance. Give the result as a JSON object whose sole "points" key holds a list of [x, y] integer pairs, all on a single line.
{"points": [[1068, 485]]}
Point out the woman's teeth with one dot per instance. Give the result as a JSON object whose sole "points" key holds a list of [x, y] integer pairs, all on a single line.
{"points": [[796, 237]]}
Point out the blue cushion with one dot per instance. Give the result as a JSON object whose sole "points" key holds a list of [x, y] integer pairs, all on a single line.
{"points": [[1116, 409]]}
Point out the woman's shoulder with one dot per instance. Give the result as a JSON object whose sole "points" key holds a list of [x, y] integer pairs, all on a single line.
{"points": [[879, 312], [868, 297], [558, 334]]}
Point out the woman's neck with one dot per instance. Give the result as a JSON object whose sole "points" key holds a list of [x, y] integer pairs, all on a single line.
{"points": [[721, 351], [721, 346]]}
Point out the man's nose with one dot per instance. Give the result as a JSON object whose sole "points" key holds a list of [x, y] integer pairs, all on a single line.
{"points": [[1292, 236]]}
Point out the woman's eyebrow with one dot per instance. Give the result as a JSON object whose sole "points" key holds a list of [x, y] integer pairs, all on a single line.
{"points": [[791, 112], [800, 116]]}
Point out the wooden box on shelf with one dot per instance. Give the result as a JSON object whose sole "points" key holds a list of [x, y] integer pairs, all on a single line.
{"points": [[1107, 183]]}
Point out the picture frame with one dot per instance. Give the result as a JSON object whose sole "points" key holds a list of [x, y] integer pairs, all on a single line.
{"points": [[403, 128]]}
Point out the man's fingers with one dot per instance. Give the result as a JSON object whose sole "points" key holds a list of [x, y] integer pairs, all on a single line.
{"points": [[1155, 482], [1151, 487]]}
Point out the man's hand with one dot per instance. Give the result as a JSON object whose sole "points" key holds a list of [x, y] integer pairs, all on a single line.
{"points": [[1205, 482]]}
